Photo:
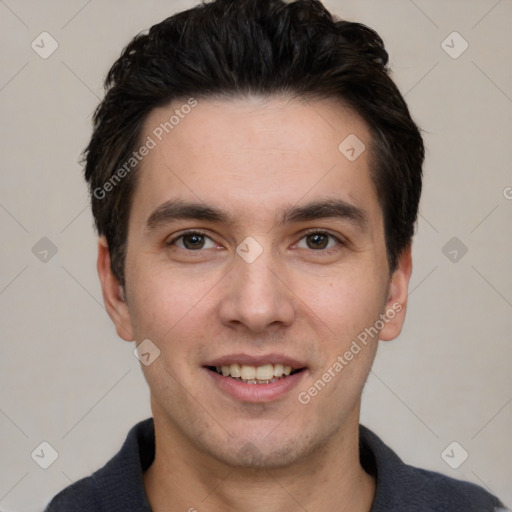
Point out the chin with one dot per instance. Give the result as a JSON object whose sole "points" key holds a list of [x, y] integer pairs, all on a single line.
{"points": [[260, 453]]}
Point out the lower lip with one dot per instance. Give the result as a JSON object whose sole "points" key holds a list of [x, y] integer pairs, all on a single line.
{"points": [[256, 393]]}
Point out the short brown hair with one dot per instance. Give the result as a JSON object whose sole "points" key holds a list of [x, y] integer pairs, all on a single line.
{"points": [[265, 47]]}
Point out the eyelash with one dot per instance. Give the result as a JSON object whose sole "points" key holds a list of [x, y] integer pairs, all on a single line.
{"points": [[305, 234]]}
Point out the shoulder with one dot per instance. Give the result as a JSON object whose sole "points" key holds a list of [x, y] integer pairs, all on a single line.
{"points": [[78, 497], [401, 487], [437, 492], [117, 486]]}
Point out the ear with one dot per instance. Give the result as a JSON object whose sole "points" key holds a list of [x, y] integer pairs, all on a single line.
{"points": [[396, 304], [113, 293]]}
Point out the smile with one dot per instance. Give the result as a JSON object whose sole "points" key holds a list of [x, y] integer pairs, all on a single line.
{"points": [[264, 374], [256, 378]]}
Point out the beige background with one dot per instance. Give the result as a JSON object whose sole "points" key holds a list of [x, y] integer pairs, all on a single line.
{"points": [[68, 380]]}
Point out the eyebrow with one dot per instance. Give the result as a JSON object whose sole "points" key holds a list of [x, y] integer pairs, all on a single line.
{"points": [[331, 208], [325, 209], [180, 210]]}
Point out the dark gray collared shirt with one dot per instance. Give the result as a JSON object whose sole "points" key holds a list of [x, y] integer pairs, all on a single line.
{"points": [[119, 487]]}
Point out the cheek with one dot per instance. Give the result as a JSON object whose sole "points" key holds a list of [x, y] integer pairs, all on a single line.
{"points": [[164, 302], [345, 301]]}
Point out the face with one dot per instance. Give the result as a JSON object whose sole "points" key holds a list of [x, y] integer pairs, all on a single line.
{"points": [[256, 247]]}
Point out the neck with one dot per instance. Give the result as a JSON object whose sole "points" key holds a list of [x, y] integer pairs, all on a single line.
{"points": [[182, 478]]}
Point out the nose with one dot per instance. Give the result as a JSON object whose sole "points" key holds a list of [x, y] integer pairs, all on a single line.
{"points": [[256, 296]]}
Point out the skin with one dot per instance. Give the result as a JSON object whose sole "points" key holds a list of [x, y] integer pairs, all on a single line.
{"points": [[254, 157]]}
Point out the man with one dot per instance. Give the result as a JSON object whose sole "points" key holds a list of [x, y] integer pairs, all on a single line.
{"points": [[255, 177]]}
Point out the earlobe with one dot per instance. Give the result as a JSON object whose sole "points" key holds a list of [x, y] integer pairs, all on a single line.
{"points": [[113, 293], [396, 304]]}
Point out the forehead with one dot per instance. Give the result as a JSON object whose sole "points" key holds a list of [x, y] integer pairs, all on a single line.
{"points": [[253, 155]]}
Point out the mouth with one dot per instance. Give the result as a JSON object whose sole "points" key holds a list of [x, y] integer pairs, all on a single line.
{"points": [[256, 379], [262, 374]]}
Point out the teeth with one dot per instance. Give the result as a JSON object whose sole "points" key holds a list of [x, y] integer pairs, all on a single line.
{"points": [[248, 372], [265, 372], [255, 374], [234, 370]]}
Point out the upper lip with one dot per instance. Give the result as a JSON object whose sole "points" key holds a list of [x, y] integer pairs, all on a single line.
{"points": [[256, 360]]}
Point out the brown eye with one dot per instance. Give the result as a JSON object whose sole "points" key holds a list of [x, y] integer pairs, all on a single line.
{"points": [[193, 241], [317, 240]]}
